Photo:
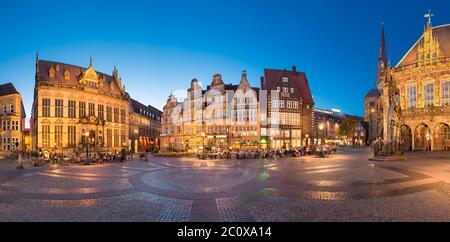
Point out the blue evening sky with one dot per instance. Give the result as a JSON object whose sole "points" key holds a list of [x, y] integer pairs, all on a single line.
{"points": [[159, 46]]}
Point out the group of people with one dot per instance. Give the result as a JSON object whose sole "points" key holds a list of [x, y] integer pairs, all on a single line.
{"points": [[93, 157], [320, 151]]}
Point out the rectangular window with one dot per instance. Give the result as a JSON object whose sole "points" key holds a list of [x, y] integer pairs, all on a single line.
{"points": [[46, 107], [285, 79], [72, 132], [109, 114], [411, 96], [116, 138], [295, 104], [289, 104], [123, 137], [123, 117], [278, 89], [59, 136], [100, 110], [429, 94], [72, 109], [281, 103], [91, 109], [109, 137], [446, 93], [11, 108], [285, 89], [46, 135], [82, 110], [58, 108], [116, 115], [292, 90]]}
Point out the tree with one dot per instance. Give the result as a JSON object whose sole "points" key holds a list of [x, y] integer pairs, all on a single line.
{"points": [[347, 128]]}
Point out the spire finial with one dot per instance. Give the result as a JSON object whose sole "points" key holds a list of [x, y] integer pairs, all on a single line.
{"points": [[90, 61], [429, 15]]}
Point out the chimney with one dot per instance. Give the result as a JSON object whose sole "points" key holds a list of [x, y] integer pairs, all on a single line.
{"points": [[294, 69]]}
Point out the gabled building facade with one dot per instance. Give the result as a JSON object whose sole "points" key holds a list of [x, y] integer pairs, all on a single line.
{"points": [[422, 78], [12, 118], [290, 109], [78, 110]]}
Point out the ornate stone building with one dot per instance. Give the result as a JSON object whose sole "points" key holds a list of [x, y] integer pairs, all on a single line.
{"points": [[78, 110], [145, 127], [290, 109], [12, 117], [222, 117], [423, 79]]}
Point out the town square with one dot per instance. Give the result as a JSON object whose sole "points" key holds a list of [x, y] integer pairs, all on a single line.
{"points": [[345, 188], [211, 112]]}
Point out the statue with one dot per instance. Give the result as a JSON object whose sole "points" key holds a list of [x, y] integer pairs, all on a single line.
{"points": [[389, 148]]}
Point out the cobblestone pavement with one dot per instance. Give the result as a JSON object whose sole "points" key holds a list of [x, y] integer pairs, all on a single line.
{"points": [[346, 187]]}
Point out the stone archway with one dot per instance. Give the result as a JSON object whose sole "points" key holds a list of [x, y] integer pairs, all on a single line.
{"points": [[441, 137], [422, 137], [406, 137]]}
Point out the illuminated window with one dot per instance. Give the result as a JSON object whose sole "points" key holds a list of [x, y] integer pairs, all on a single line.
{"points": [[411, 96], [45, 107], [58, 135], [72, 109], [82, 110], [92, 109], [59, 108], [429, 94], [445, 93]]}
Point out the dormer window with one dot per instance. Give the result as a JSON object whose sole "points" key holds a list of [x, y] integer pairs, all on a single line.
{"points": [[278, 89], [285, 89], [66, 75], [285, 79], [51, 73]]}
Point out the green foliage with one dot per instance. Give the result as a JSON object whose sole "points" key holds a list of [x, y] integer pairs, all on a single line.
{"points": [[347, 128]]}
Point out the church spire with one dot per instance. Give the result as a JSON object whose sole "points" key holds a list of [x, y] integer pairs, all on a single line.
{"points": [[382, 57]]}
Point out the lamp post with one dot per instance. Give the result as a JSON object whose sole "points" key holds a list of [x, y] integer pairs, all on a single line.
{"points": [[321, 126], [203, 141], [19, 157], [86, 140], [136, 141]]}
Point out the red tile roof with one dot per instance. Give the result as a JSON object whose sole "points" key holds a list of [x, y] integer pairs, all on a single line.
{"points": [[272, 76]]}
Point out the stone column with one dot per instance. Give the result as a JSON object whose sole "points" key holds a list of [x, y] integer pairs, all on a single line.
{"points": [[413, 140], [432, 139]]}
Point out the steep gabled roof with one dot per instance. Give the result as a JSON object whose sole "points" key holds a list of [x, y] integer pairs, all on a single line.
{"points": [[374, 93], [7, 89], [440, 33], [74, 73], [272, 76]]}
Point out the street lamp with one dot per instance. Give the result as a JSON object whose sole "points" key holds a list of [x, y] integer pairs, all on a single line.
{"points": [[136, 140], [19, 157], [203, 141], [86, 140], [321, 126]]}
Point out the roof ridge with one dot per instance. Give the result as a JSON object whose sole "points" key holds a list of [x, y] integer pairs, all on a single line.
{"points": [[72, 65]]}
